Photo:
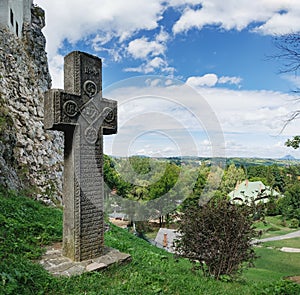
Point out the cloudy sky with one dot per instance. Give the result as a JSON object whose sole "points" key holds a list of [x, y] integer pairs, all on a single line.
{"points": [[191, 77]]}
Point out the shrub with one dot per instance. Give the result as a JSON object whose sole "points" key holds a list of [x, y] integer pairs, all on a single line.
{"points": [[217, 238], [294, 223], [283, 223], [273, 228]]}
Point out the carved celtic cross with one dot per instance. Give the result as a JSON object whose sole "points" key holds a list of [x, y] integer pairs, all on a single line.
{"points": [[84, 116]]}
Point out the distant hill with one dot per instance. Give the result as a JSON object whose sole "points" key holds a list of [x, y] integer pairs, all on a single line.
{"points": [[288, 157], [195, 161]]}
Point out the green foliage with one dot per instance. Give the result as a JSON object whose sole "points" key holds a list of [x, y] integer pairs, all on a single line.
{"points": [[113, 179], [294, 223], [140, 165], [25, 226], [282, 287], [294, 142], [19, 275], [231, 176], [273, 175], [289, 206], [140, 180], [193, 199], [218, 236], [7, 134], [273, 228]]}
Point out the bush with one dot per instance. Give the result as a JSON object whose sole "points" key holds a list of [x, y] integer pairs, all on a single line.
{"points": [[283, 223], [273, 228], [217, 238], [294, 223]]}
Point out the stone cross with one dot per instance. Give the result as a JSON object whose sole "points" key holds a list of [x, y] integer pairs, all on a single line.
{"points": [[84, 116]]}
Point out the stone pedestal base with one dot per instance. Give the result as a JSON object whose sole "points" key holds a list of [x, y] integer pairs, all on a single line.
{"points": [[58, 265]]}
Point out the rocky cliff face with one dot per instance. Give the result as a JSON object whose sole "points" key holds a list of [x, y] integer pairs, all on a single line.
{"points": [[29, 156]]}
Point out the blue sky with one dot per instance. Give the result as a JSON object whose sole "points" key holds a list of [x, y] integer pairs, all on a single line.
{"points": [[204, 57]]}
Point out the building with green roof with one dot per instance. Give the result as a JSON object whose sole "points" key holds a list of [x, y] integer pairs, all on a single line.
{"points": [[248, 192]]}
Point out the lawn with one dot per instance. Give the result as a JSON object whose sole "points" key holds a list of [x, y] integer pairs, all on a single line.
{"points": [[274, 226], [291, 243], [26, 226], [273, 264]]}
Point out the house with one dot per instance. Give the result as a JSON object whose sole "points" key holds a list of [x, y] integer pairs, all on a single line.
{"points": [[14, 13], [165, 239], [252, 191], [118, 216]]}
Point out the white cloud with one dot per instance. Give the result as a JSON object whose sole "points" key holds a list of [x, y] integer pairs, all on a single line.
{"points": [[252, 112], [75, 19], [206, 80], [142, 48], [56, 64], [152, 52], [210, 80], [183, 2], [280, 24], [102, 38], [114, 27], [157, 64], [278, 17], [250, 121], [292, 78], [163, 36], [230, 80]]}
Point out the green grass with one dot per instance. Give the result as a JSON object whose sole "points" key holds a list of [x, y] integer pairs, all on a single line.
{"points": [[292, 243], [152, 235], [273, 265], [273, 226], [27, 225]]}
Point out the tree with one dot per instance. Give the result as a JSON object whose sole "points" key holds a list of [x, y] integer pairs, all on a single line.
{"points": [[289, 53], [160, 191], [217, 237], [290, 206], [113, 179], [193, 198], [294, 143], [230, 178]]}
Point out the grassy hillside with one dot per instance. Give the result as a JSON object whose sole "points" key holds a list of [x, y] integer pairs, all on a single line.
{"points": [[27, 225], [274, 226]]}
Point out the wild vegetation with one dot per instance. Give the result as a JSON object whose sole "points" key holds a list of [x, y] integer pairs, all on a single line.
{"points": [[27, 225]]}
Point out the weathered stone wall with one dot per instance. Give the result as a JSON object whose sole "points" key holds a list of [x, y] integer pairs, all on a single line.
{"points": [[29, 156]]}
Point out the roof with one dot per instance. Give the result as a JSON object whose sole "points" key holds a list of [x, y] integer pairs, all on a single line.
{"points": [[117, 215], [165, 239], [248, 191]]}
